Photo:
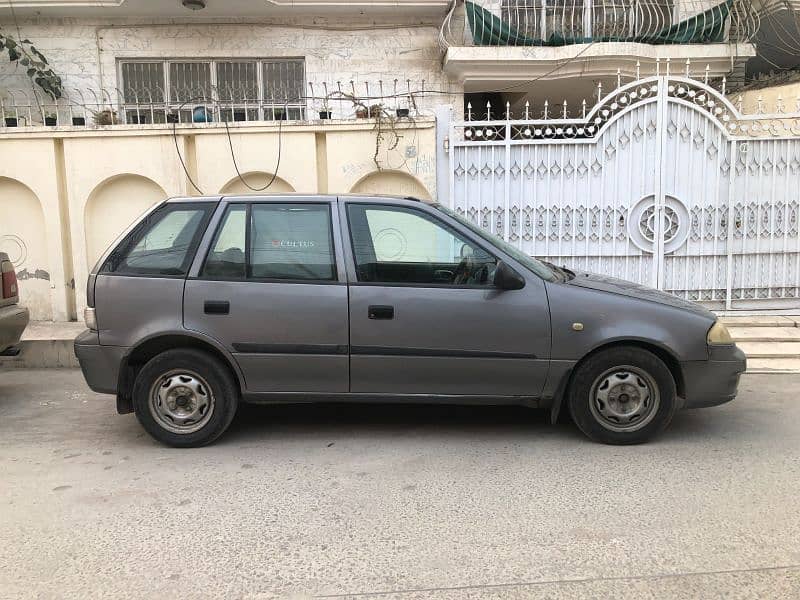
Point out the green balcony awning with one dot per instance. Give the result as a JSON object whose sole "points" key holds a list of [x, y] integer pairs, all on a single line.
{"points": [[706, 27]]}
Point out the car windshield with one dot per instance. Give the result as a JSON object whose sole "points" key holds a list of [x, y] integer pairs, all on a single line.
{"points": [[538, 267]]}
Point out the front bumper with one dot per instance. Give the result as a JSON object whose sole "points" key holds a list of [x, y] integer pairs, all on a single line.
{"points": [[13, 321], [714, 381], [100, 364]]}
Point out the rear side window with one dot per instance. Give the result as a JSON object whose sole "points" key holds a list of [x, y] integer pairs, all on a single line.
{"points": [[162, 244], [273, 242]]}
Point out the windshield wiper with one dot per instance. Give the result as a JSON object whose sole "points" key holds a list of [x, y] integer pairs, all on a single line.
{"points": [[564, 273]]}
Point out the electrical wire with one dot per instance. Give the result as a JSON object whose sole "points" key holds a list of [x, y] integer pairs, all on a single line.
{"points": [[230, 145], [177, 149], [277, 163]]}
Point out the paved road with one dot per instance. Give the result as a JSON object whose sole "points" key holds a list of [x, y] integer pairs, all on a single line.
{"points": [[396, 502]]}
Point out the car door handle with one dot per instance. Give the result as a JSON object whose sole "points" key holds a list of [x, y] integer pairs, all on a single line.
{"points": [[216, 307], [377, 311]]}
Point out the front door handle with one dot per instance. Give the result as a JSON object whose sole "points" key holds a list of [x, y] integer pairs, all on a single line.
{"points": [[377, 311], [216, 307]]}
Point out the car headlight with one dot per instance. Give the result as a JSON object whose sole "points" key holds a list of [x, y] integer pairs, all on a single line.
{"points": [[719, 335]]}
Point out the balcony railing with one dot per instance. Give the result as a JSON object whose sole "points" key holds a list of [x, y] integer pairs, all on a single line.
{"points": [[141, 106], [565, 22]]}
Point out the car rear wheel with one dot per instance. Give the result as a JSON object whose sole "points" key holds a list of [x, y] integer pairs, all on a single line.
{"points": [[623, 395], [185, 398]]}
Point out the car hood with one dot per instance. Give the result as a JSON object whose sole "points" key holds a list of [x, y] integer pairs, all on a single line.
{"points": [[634, 290]]}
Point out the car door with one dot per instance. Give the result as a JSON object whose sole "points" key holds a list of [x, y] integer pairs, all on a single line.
{"points": [[271, 289], [425, 317]]}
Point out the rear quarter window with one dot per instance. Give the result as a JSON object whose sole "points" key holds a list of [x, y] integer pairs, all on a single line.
{"points": [[163, 244]]}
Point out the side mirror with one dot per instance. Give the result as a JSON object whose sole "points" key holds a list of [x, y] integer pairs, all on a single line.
{"points": [[506, 278]]}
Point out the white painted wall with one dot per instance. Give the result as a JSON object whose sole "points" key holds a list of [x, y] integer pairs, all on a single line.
{"points": [[86, 52]]}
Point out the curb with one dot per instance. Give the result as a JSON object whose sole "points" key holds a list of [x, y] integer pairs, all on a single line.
{"points": [[42, 354]]}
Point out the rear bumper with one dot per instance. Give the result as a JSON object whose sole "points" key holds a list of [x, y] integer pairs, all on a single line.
{"points": [[13, 321], [714, 381], [100, 364]]}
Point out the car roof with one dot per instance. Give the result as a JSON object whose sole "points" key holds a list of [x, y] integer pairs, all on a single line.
{"points": [[278, 195]]}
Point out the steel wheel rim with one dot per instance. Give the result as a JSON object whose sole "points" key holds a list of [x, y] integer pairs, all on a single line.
{"points": [[624, 398], [181, 401]]}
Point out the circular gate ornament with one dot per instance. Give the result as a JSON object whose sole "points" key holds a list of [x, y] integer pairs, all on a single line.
{"points": [[675, 224]]}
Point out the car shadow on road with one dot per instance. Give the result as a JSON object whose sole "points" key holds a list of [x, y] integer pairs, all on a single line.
{"points": [[256, 422], [370, 419]]}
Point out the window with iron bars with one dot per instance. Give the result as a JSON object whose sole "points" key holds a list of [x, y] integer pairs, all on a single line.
{"points": [[183, 91]]}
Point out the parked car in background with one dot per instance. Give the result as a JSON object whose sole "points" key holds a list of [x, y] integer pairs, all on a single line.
{"points": [[207, 302], [13, 317]]}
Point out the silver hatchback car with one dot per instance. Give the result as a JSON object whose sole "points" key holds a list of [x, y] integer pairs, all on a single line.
{"points": [[208, 302]]}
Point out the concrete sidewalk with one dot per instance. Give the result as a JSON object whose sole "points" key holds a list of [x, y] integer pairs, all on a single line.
{"points": [[46, 344], [771, 342]]}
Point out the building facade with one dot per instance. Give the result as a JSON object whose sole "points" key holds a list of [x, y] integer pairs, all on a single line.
{"points": [[162, 98]]}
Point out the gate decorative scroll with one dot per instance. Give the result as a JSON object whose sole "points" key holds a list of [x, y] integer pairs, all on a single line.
{"points": [[663, 182]]}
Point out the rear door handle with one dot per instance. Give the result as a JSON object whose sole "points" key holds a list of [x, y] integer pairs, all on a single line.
{"points": [[377, 311], [216, 307]]}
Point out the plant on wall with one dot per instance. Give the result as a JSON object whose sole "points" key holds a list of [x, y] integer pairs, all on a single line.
{"points": [[23, 52]]}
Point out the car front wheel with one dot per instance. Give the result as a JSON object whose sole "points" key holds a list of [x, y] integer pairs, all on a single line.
{"points": [[185, 398], [623, 395]]}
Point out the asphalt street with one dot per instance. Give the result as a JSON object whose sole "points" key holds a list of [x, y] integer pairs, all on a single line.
{"points": [[395, 502]]}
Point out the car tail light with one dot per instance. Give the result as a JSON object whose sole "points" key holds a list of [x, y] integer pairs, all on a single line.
{"points": [[9, 280], [89, 318]]}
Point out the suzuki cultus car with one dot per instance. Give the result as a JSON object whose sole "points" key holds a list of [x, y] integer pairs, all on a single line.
{"points": [[209, 302]]}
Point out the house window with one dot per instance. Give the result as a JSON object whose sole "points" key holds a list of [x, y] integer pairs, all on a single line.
{"points": [[224, 89]]}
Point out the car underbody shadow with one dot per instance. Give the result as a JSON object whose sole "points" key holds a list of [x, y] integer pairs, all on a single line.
{"points": [[367, 419]]}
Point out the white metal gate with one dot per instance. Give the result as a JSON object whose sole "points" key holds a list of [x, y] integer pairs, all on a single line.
{"points": [[663, 182]]}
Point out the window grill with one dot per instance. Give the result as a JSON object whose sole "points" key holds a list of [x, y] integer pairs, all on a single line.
{"points": [[229, 90], [559, 22]]}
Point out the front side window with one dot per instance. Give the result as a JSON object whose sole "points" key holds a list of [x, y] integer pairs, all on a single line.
{"points": [[162, 244], [276, 242], [541, 269], [405, 246]]}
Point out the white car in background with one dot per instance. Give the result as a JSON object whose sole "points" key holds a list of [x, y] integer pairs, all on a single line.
{"points": [[13, 317]]}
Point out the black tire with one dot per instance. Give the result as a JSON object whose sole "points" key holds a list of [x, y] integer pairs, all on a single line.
{"points": [[595, 417], [210, 373]]}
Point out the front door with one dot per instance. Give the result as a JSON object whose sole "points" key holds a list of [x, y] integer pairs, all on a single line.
{"points": [[271, 291], [425, 317]]}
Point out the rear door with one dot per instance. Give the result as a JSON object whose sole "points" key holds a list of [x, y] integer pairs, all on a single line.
{"points": [[425, 317], [271, 288]]}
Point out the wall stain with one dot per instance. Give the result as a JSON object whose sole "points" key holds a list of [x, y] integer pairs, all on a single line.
{"points": [[37, 274]]}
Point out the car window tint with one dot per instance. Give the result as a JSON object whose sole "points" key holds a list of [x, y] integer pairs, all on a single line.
{"points": [[291, 241], [227, 258], [163, 244], [399, 245]]}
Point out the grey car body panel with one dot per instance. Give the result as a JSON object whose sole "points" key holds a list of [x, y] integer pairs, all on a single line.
{"points": [[609, 316], [135, 308], [446, 340], [295, 342], [100, 364], [634, 290], [450, 341], [285, 336]]}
